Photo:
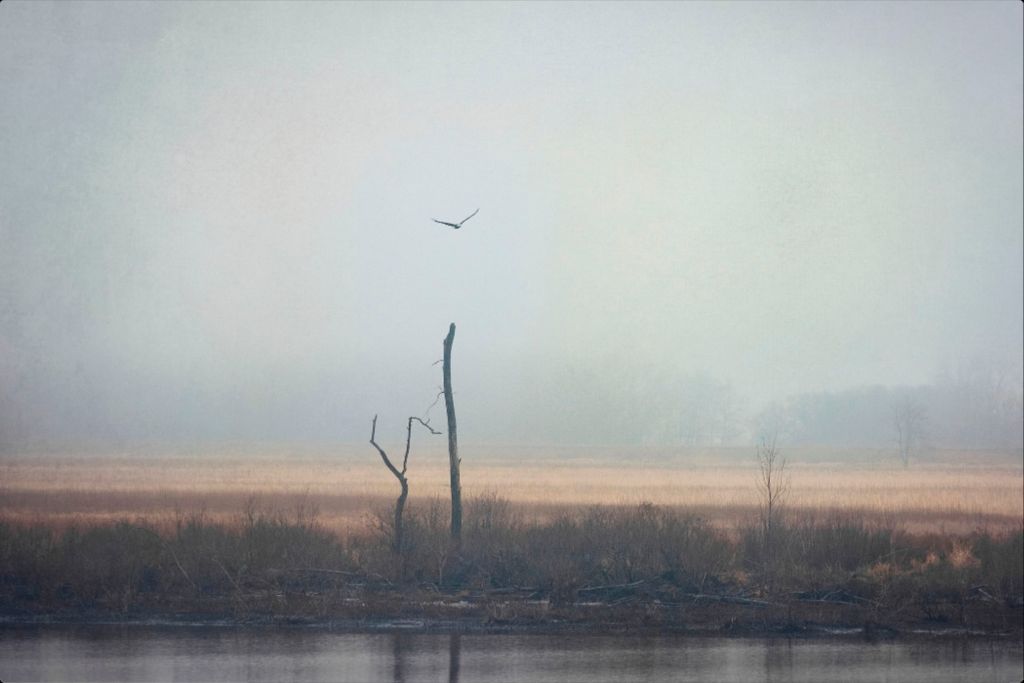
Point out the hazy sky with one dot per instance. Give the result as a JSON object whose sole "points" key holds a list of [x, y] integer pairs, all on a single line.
{"points": [[224, 208]]}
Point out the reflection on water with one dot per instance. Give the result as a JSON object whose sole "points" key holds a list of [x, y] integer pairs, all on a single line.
{"points": [[139, 653], [404, 647], [454, 653]]}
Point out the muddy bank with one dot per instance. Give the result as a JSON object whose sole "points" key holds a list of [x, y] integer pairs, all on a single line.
{"points": [[464, 612]]}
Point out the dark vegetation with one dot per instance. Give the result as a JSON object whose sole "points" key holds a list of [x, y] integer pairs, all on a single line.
{"points": [[600, 567]]}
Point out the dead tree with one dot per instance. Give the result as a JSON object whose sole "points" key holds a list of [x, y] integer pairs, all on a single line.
{"points": [[399, 474], [453, 440]]}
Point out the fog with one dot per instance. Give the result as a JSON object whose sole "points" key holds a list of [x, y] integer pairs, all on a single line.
{"points": [[215, 219]]}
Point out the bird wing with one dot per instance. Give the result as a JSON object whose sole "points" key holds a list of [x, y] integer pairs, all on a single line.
{"points": [[469, 216], [450, 225]]}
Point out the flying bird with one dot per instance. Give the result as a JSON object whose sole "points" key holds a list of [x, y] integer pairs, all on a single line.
{"points": [[459, 224]]}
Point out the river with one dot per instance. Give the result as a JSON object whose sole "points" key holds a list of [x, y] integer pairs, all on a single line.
{"points": [[179, 653]]}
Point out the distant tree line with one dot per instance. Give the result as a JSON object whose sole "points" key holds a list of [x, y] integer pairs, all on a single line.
{"points": [[974, 407], [542, 401], [967, 410]]}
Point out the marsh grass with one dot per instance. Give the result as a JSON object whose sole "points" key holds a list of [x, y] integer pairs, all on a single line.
{"points": [[313, 537], [267, 561]]}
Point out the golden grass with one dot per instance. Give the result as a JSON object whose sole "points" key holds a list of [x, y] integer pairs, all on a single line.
{"points": [[954, 496]]}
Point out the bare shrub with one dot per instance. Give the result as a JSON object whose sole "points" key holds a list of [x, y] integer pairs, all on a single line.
{"points": [[772, 485], [1002, 563]]}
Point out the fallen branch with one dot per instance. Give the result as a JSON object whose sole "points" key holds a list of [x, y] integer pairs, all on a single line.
{"points": [[182, 569], [511, 589], [730, 599], [324, 571], [590, 589], [238, 589], [826, 601], [980, 590], [339, 572], [842, 598]]}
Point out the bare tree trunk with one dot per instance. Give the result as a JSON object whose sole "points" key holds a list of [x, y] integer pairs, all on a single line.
{"points": [[399, 510], [453, 440]]}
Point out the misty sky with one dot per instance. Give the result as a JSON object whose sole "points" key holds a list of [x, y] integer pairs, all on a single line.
{"points": [[222, 210]]}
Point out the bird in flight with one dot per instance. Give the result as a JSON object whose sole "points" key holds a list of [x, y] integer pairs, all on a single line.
{"points": [[456, 225]]}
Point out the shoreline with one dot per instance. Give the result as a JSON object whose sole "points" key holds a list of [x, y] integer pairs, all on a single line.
{"points": [[789, 621]]}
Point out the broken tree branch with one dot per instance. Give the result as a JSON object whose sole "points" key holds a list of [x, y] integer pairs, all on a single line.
{"points": [[384, 456], [408, 437], [403, 481]]}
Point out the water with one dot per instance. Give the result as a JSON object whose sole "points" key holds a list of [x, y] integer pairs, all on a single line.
{"points": [[143, 653]]}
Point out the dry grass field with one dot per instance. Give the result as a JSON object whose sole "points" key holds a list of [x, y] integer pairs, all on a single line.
{"points": [[949, 493]]}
